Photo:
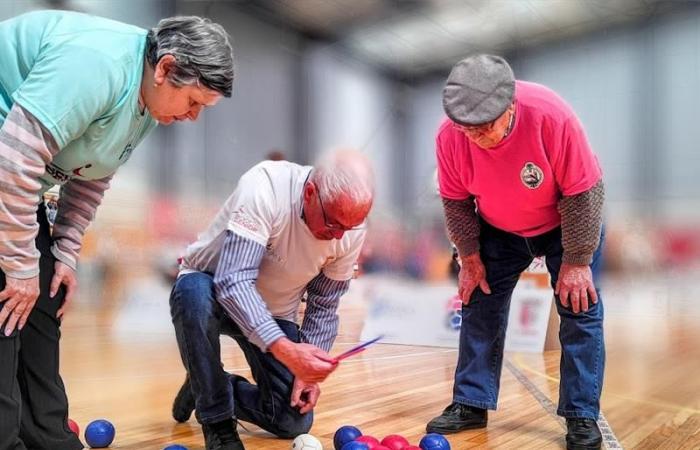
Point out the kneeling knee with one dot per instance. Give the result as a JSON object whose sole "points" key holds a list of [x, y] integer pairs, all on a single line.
{"points": [[193, 297]]}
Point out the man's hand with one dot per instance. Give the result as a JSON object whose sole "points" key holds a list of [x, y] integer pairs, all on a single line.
{"points": [[575, 286], [63, 274], [305, 395], [19, 297], [472, 274], [305, 361]]}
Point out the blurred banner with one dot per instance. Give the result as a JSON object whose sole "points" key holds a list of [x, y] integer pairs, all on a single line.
{"points": [[410, 312]]}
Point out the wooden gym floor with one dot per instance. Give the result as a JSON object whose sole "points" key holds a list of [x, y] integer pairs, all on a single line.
{"points": [[120, 362]]}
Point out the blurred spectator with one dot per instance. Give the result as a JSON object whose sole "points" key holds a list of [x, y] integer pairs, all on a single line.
{"points": [[276, 155]]}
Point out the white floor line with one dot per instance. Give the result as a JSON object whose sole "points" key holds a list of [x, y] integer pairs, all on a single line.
{"points": [[609, 439]]}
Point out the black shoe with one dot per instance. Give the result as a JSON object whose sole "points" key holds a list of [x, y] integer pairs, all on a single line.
{"points": [[184, 403], [458, 417], [222, 436], [583, 434]]}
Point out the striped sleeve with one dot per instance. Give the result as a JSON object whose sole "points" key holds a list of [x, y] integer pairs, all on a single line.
{"points": [[320, 325], [77, 204], [234, 284], [26, 147]]}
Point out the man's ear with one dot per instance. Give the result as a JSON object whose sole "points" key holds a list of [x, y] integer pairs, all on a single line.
{"points": [[309, 190]]}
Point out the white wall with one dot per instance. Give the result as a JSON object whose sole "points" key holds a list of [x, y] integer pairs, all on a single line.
{"points": [[11, 8], [351, 105], [677, 50], [425, 114], [213, 153]]}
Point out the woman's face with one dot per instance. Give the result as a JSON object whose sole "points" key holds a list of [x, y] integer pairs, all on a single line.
{"points": [[168, 103]]}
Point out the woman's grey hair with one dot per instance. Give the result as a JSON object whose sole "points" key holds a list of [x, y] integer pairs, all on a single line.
{"points": [[201, 48], [344, 173]]}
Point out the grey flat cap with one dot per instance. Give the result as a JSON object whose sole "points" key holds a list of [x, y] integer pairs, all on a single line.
{"points": [[479, 89]]}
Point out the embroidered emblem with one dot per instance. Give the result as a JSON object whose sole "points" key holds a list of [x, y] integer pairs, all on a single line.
{"points": [[77, 170], [531, 176]]}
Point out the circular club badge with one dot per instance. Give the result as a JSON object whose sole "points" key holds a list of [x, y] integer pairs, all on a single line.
{"points": [[531, 175]]}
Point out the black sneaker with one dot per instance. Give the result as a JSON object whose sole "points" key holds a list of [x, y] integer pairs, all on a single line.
{"points": [[458, 417], [583, 434], [222, 436], [184, 403]]}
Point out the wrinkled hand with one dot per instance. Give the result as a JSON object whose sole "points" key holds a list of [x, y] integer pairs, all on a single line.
{"points": [[305, 361], [19, 297], [305, 395], [472, 274], [575, 287], [63, 274]]}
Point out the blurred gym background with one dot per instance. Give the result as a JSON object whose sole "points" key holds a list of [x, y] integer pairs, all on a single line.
{"points": [[312, 75]]}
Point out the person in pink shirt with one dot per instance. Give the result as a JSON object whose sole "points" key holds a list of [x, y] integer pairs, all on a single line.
{"points": [[518, 179]]}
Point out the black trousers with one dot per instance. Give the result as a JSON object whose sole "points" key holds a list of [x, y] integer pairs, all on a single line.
{"points": [[33, 402]]}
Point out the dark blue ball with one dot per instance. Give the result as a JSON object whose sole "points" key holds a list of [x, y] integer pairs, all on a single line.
{"points": [[99, 433], [175, 447], [345, 434], [354, 445], [434, 441]]}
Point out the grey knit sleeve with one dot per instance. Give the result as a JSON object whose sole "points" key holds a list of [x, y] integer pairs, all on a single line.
{"points": [[462, 225], [581, 221]]}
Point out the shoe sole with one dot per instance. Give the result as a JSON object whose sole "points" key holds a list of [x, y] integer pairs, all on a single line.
{"points": [[570, 446], [452, 431], [583, 447]]}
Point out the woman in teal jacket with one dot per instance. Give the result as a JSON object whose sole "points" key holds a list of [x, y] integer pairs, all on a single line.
{"points": [[77, 95]]}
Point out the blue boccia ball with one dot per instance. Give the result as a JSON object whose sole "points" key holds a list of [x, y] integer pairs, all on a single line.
{"points": [[345, 434], [434, 441], [99, 433], [175, 447], [354, 445]]}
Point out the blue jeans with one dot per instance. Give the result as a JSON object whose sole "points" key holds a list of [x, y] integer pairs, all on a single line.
{"points": [[484, 322], [199, 321]]}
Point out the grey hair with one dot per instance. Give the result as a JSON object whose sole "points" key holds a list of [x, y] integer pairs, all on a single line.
{"points": [[344, 173], [201, 48]]}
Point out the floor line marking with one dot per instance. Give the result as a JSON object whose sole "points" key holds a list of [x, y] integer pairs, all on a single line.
{"points": [[609, 439]]}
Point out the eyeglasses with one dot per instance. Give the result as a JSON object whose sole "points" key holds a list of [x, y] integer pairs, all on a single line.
{"points": [[337, 226], [485, 127]]}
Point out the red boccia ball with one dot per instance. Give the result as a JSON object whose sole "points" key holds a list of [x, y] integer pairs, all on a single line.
{"points": [[371, 441], [395, 442], [74, 427]]}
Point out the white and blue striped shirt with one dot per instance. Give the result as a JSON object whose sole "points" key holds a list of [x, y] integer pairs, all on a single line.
{"points": [[265, 258], [235, 279]]}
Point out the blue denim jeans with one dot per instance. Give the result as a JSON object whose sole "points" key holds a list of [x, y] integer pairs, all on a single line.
{"points": [[199, 321], [484, 322]]}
